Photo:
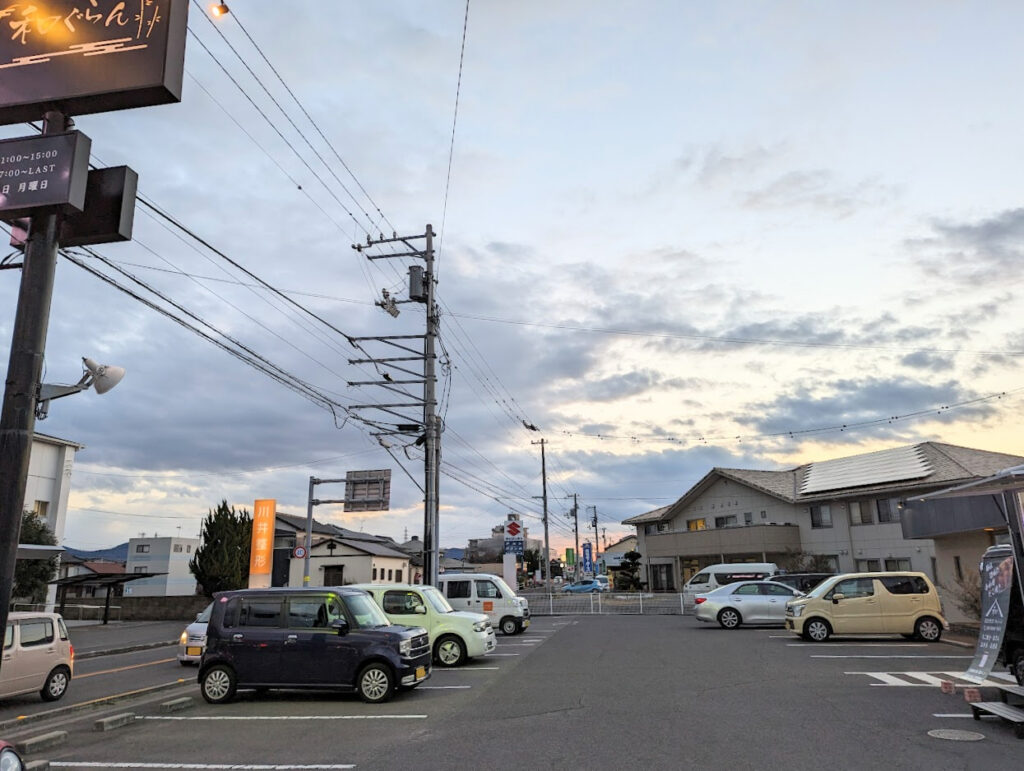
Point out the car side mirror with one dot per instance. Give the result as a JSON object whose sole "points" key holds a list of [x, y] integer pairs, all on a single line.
{"points": [[837, 597], [340, 626], [421, 609]]}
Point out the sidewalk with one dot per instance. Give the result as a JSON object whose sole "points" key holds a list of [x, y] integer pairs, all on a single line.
{"points": [[122, 636]]}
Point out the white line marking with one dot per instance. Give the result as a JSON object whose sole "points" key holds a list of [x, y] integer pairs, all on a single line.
{"points": [[443, 687], [869, 656], [487, 655], [254, 767], [885, 677], [286, 717], [952, 714], [925, 678], [468, 669], [859, 645]]}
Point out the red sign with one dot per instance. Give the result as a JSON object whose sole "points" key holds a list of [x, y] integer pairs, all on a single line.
{"points": [[513, 528]]}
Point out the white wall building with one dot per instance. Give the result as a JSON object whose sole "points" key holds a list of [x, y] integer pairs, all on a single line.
{"points": [[161, 555]]}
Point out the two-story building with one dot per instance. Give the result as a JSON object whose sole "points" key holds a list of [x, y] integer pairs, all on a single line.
{"points": [[166, 556], [846, 510]]}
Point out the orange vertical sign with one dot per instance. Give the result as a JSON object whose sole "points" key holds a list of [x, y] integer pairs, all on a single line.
{"points": [[261, 551]]}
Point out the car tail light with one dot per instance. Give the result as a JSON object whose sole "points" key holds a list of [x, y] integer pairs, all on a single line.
{"points": [[72, 647], [699, 600]]}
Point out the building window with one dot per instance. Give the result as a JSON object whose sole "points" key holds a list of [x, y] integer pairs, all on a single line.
{"points": [[375, 574], [663, 527], [696, 524], [41, 507], [389, 574], [398, 576], [142, 548], [725, 521], [177, 547], [188, 548], [140, 570], [748, 517], [860, 513], [821, 516], [958, 570], [897, 564], [869, 566], [888, 511]]}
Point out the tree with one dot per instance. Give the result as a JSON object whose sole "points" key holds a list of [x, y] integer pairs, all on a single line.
{"points": [[628, 574], [31, 577], [222, 560]]}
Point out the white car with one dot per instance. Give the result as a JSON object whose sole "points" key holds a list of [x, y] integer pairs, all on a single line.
{"points": [[455, 636], [193, 640], [746, 602]]}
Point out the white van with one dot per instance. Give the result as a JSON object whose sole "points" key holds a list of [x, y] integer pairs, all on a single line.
{"points": [[487, 594], [714, 576]]}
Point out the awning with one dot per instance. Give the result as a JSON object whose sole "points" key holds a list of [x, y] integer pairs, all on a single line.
{"points": [[1008, 479], [31, 551]]}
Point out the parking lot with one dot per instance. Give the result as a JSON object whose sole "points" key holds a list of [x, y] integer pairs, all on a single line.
{"points": [[599, 692]]}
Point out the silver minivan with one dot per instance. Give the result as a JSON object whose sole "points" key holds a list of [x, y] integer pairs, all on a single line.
{"points": [[38, 656]]}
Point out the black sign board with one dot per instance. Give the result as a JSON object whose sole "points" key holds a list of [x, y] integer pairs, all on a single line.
{"points": [[86, 56], [996, 571], [43, 173], [368, 490]]}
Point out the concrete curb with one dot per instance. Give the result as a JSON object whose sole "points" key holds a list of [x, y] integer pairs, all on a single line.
{"points": [[89, 705], [42, 742], [124, 649]]}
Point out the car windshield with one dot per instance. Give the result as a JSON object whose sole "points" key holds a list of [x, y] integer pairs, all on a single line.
{"points": [[820, 589], [365, 611], [505, 591], [435, 598], [205, 615]]}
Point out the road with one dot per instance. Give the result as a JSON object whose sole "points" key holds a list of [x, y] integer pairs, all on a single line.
{"points": [[600, 692]]}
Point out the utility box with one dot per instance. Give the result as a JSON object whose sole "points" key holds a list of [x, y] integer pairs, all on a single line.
{"points": [[417, 284]]}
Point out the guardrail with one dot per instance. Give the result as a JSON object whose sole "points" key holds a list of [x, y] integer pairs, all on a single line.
{"points": [[607, 603], [71, 611]]}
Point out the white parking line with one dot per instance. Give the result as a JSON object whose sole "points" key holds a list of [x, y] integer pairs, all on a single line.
{"points": [[953, 714], [286, 717], [871, 656], [859, 645], [444, 687], [253, 766], [488, 655], [468, 669]]}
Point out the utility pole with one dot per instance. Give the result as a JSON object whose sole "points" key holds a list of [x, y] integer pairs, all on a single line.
{"points": [[421, 290], [24, 378], [546, 562], [576, 529]]}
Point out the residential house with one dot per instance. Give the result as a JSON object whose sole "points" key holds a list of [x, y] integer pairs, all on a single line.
{"points": [[847, 510]]}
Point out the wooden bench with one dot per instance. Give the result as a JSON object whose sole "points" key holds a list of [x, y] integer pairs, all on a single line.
{"points": [[1002, 710]]}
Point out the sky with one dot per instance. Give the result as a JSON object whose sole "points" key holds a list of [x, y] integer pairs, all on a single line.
{"points": [[670, 235]]}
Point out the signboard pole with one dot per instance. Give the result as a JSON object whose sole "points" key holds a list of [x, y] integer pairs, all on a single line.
{"points": [[24, 376]]}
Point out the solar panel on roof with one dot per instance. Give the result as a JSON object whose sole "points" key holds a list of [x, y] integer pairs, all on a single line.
{"points": [[873, 468]]}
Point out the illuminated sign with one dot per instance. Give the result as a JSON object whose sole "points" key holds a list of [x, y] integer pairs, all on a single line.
{"points": [[43, 173], [87, 56], [261, 552]]}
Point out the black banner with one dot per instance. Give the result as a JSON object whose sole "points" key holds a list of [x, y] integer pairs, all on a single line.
{"points": [[996, 579]]}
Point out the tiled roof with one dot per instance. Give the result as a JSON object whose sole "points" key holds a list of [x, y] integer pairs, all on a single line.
{"points": [[103, 568], [650, 516]]}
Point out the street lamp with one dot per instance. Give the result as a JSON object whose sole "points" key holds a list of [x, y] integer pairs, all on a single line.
{"points": [[101, 377], [220, 9]]}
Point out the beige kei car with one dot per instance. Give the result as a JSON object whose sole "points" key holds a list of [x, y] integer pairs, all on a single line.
{"points": [[38, 656], [896, 603]]}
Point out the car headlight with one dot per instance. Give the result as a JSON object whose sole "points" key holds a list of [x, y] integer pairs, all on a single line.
{"points": [[10, 760], [184, 637], [796, 610], [480, 626], [405, 647]]}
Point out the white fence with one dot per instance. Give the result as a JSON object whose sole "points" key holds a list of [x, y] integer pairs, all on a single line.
{"points": [[72, 611], [608, 603]]}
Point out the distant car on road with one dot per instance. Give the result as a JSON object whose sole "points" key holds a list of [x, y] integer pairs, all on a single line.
{"points": [[586, 586], [38, 656], [603, 580], [193, 639], [746, 602]]}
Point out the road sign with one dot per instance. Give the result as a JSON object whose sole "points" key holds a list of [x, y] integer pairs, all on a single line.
{"points": [[588, 558], [299, 552]]}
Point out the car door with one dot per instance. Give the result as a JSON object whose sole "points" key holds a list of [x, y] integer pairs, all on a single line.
{"points": [[13, 670], [487, 595], [776, 598], [858, 611], [901, 600], [255, 642], [460, 594], [36, 652], [313, 653], [749, 601]]}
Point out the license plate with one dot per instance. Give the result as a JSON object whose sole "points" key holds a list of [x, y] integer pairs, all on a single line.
{"points": [[194, 651], [421, 672]]}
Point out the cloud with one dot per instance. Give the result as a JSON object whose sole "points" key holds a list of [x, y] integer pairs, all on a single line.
{"points": [[984, 251], [820, 189], [929, 361]]}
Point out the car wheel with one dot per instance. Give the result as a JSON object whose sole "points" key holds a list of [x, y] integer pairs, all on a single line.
{"points": [[729, 618], [928, 629], [1018, 666], [817, 630], [56, 684], [375, 683], [450, 651], [219, 684], [509, 625]]}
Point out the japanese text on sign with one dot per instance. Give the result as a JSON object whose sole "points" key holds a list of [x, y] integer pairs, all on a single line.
{"points": [[262, 548]]}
